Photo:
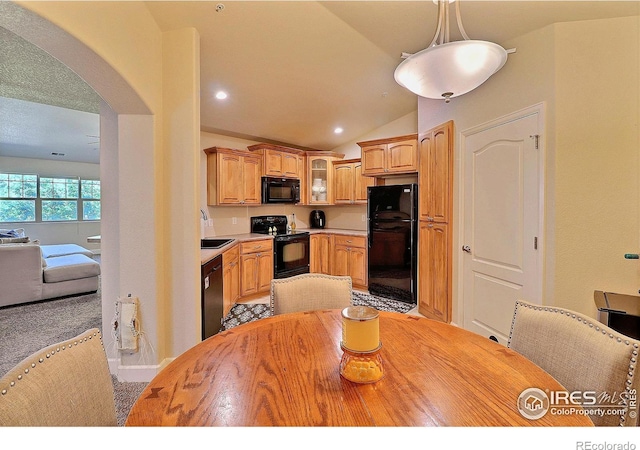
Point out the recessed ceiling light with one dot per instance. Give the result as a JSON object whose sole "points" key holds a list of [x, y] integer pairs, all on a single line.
{"points": [[221, 95], [338, 130]]}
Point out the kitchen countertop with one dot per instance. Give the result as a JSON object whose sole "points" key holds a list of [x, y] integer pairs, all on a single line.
{"points": [[207, 254]]}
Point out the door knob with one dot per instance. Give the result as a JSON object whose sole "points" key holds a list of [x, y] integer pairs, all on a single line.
{"points": [[466, 248]]}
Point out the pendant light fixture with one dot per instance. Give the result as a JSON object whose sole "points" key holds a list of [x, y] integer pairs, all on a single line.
{"points": [[449, 69]]}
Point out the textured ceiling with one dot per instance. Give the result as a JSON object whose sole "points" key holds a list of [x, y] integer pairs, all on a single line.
{"points": [[46, 110], [29, 73], [294, 70]]}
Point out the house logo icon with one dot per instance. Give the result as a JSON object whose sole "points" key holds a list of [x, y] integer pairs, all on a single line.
{"points": [[533, 403]]}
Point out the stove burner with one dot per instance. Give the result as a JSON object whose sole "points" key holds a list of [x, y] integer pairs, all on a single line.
{"points": [[290, 248], [273, 225]]}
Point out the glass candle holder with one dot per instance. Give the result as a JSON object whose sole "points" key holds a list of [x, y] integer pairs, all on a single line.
{"points": [[361, 367], [361, 361]]}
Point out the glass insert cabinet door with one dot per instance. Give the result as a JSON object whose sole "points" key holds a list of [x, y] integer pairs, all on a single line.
{"points": [[321, 179]]}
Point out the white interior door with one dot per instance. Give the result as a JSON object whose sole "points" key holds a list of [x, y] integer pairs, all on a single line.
{"points": [[501, 223]]}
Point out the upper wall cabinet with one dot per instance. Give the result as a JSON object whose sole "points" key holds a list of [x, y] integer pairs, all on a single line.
{"points": [[279, 161], [350, 187], [392, 156], [436, 174], [304, 186], [233, 177], [320, 177]]}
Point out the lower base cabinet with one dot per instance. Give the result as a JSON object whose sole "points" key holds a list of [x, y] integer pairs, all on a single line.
{"points": [[350, 258], [256, 267], [434, 271], [231, 278], [321, 247]]}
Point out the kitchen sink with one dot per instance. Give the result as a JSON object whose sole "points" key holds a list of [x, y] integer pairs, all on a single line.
{"points": [[214, 243]]}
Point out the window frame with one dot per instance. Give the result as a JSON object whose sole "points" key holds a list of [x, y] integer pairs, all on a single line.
{"points": [[38, 200]]}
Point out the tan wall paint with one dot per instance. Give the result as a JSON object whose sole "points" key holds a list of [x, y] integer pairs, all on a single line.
{"points": [[124, 34], [597, 93], [181, 166]]}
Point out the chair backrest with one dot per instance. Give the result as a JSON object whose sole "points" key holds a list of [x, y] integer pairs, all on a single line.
{"points": [[310, 291], [581, 353], [66, 384]]}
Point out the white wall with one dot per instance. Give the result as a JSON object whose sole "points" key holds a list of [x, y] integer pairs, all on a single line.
{"points": [[75, 232]]}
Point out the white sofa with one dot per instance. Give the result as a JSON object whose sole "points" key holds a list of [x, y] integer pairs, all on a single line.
{"points": [[30, 272]]}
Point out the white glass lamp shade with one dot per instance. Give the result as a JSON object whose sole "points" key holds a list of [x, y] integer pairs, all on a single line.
{"points": [[451, 69]]}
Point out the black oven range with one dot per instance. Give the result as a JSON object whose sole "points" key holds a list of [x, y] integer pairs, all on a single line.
{"points": [[290, 248]]}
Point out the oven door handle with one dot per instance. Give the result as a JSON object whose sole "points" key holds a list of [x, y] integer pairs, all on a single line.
{"points": [[292, 240], [289, 239]]}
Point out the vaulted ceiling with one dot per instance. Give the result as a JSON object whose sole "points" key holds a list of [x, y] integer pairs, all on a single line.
{"points": [[293, 70]]}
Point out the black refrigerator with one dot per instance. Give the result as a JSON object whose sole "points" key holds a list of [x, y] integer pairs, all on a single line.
{"points": [[392, 230]]}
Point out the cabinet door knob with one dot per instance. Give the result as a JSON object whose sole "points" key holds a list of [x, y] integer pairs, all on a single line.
{"points": [[466, 248]]}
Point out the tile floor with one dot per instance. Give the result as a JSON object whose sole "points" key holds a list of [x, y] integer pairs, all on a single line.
{"points": [[265, 299]]}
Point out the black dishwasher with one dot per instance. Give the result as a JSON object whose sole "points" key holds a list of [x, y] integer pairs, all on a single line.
{"points": [[211, 287]]}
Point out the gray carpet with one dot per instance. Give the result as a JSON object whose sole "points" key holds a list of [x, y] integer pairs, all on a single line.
{"points": [[26, 329]]}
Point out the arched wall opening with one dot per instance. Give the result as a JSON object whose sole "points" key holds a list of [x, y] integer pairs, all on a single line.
{"points": [[128, 144]]}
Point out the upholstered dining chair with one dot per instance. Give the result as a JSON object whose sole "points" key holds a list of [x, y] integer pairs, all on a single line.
{"points": [[66, 384], [581, 353], [310, 291]]}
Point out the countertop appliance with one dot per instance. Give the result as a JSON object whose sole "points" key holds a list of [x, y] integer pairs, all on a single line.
{"points": [[619, 311], [317, 219], [290, 248], [280, 190], [211, 294], [392, 230]]}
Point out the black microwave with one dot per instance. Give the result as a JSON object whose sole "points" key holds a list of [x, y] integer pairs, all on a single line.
{"points": [[280, 190]]}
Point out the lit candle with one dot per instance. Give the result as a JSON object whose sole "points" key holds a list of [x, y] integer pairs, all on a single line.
{"points": [[360, 329]]}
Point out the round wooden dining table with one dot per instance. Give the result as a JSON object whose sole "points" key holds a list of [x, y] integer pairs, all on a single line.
{"points": [[284, 371]]}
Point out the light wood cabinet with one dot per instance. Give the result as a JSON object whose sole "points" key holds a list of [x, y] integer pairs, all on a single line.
{"points": [[320, 252], [278, 161], [320, 177], [350, 258], [256, 266], [350, 187], [361, 184], [435, 213], [434, 287], [304, 186], [436, 174], [230, 278], [392, 156], [233, 177]]}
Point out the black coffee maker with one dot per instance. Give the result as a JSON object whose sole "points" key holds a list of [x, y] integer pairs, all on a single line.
{"points": [[317, 219]]}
